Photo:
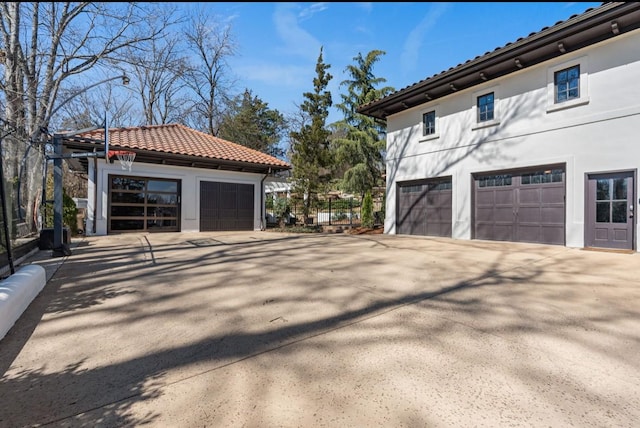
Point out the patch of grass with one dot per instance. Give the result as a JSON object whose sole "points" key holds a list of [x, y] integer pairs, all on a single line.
{"points": [[296, 229]]}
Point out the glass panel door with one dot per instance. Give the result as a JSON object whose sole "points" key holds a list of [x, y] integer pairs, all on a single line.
{"points": [[610, 211]]}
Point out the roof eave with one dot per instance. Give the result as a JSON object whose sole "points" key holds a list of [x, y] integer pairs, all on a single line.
{"points": [[162, 158], [580, 31]]}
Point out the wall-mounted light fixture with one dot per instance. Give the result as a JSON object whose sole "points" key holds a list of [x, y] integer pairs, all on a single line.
{"points": [[614, 28]]}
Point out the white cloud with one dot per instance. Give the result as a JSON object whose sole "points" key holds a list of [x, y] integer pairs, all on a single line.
{"points": [[280, 75], [295, 40], [413, 44], [312, 10]]}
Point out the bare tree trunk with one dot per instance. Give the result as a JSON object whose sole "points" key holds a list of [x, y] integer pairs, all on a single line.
{"points": [[66, 40]]}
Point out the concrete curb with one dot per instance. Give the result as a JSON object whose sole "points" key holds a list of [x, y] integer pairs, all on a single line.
{"points": [[17, 292]]}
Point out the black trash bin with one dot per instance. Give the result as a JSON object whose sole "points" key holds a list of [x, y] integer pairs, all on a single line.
{"points": [[46, 238]]}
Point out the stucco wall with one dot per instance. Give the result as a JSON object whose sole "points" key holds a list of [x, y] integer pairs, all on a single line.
{"points": [[597, 134]]}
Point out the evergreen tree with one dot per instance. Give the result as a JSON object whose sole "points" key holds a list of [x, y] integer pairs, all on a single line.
{"points": [[310, 144], [367, 210], [361, 151], [250, 122]]}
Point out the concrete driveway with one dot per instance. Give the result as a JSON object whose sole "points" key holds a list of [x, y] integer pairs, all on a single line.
{"points": [[261, 329]]}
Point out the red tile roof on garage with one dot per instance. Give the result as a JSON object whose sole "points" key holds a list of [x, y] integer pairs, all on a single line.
{"points": [[181, 140]]}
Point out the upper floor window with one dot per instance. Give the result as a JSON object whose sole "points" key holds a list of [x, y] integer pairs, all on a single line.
{"points": [[567, 84], [429, 123], [485, 107]]}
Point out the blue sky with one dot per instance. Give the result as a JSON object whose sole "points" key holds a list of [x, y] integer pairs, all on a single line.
{"points": [[278, 43]]}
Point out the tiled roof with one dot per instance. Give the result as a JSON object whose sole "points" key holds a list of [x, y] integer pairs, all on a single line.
{"points": [[578, 31], [497, 49], [181, 140]]}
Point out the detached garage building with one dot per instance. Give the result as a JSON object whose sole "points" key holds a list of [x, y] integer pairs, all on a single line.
{"points": [[535, 141], [181, 180]]}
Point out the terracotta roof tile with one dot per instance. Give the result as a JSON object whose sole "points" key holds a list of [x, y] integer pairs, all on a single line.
{"points": [[181, 140]]}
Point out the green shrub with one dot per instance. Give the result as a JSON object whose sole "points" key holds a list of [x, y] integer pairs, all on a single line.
{"points": [[367, 210], [69, 213], [281, 210]]}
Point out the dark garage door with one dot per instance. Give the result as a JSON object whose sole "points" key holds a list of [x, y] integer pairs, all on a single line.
{"points": [[424, 207], [226, 206], [521, 206]]}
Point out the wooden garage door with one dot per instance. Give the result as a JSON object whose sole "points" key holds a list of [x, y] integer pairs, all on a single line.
{"points": [[521, 206], [424, 208], [226, 206]]}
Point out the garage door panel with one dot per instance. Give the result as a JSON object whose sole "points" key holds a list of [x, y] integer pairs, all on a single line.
{"points": [[424, 208], [503, 232], [503, 197], [529, 215], [484, 215], [445, 215], [552, 235], [484, 231], [553, 195], [226, 206], [446, 200], [439, 229], [528, 233], [503, 214], [529, 196], [553, 215], [528, 208]]}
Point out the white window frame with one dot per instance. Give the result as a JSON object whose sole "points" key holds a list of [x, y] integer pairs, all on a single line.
{"points": [[497, 111], [583, 99], [436, 135]]}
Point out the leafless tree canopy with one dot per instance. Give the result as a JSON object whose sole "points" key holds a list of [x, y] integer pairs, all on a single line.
{"points": [[53, 53], [209, 77]]}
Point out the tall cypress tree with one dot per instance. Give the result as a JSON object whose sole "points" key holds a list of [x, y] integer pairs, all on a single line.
{"points": [[361, 150], [310, 144]]}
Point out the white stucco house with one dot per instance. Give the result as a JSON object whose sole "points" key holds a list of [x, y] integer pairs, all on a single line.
{"points": [[536, 141], [181, 180]]}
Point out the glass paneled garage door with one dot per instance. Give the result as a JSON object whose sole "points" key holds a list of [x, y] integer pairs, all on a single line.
{"points": [[143, 204]]}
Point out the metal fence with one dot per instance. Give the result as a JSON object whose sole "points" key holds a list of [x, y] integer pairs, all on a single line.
{"points": [[328, 212]]}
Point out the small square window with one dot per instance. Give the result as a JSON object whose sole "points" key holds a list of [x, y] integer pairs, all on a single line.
{"points": [[567, 84], [485, 107], [429, 123]]}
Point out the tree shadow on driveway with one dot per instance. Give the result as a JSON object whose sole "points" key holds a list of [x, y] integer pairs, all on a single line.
{"points": [[145, 318]]}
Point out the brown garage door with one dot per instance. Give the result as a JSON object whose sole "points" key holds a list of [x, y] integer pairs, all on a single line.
{"points": [[226, 206], [424, 207], [521, 206]]}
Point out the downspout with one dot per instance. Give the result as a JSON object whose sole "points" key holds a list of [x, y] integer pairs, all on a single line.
{"points": [[95, 195], [262, 211]]}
